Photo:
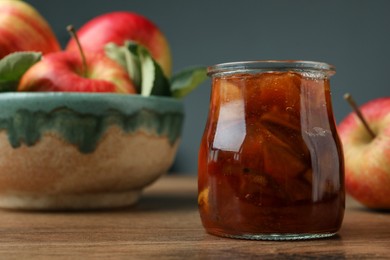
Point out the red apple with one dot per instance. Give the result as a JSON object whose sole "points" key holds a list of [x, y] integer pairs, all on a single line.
{"points": [[117, 27], [22, 28], [367, 156], [64, 71]]}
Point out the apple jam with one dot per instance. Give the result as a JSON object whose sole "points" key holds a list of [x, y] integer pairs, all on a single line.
{"points": [[270, 160]]}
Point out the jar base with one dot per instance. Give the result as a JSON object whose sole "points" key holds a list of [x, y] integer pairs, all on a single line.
{"points": [[279, 237]]}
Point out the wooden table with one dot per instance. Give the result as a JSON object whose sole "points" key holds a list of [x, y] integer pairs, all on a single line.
{"points": [[165, 224]]}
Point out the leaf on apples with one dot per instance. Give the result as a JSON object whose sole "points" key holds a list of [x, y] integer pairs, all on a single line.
{"points": [[127, 57], [145, 72], [13, 66], [187, 80], [154, 81], [148, 75]]}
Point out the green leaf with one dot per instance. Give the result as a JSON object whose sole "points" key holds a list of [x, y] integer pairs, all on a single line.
{"points": [[127, 57], [145, 72], [154, 81], [187, 80], [13, 66]]}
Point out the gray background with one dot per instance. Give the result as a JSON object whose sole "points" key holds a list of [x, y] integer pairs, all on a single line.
{"points": [[352, 35]]}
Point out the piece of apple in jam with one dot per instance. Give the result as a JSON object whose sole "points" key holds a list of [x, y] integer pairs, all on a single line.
{"points": [[267, 91]]}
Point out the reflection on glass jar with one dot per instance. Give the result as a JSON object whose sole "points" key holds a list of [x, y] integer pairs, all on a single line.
{"points": [[270, 160]]}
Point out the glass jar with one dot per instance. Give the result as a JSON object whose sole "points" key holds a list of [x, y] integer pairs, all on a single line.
{"points": [[270, 161]]}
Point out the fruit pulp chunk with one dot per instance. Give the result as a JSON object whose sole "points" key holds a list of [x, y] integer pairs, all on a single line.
{"points": [[286, 176]]}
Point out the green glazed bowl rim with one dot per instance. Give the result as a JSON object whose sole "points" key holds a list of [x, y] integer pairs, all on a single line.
{"points": [[91, 103]]}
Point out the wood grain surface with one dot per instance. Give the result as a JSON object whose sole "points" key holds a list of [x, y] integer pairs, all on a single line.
{"points": [[165, 224]]}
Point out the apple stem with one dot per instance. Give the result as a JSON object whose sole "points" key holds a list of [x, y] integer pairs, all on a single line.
{"points": [[73, 33], [349, 99]]}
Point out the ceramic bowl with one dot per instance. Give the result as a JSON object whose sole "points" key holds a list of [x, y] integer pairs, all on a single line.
{"points": [[84, 150]]}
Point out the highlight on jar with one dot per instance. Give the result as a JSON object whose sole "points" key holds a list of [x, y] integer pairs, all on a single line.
{"points": [[270, 159]]}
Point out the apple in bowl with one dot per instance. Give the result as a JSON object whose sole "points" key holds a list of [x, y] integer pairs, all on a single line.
{"points": [[63, 71], [22, 28], [118, 27], [366, 145]]}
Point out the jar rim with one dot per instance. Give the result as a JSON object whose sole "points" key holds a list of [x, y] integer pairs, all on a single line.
{"points": [[271, 65]]}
